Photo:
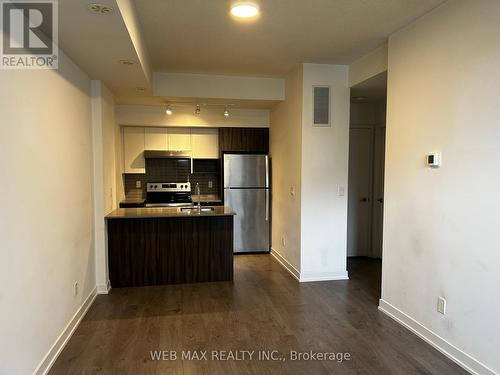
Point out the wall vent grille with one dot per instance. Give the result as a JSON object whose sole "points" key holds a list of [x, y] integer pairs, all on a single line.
{"points": [[321, 106]]}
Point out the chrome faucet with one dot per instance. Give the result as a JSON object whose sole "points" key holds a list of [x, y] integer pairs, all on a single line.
{"points": [[197, 192]]}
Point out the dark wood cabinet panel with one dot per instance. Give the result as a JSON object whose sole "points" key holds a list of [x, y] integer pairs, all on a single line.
{"points": [[244, 140], [162, 251]]}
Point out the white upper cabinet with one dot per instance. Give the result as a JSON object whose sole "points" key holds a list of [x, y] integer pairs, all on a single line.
{"points": [[156, 139], [205, 143], [179, 139], [133, 150]]}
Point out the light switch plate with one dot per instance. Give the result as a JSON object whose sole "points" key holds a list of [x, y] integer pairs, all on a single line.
{"points": [[340, 190], [441, 305]]}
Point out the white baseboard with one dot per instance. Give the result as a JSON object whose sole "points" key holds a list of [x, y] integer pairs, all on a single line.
{"points": [[456, 355], [104, 288], [307, 277], [62, 340], [286, 265]]}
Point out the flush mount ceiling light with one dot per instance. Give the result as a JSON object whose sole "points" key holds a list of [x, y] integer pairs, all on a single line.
{"points": [[245, 10], [169, 110], [100, 9]]}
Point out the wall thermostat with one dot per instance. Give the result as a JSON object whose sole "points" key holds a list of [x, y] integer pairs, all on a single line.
{"points": [[434, 160]]}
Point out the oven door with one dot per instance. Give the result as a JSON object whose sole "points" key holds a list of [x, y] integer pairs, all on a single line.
{"points": [[168, 199]]}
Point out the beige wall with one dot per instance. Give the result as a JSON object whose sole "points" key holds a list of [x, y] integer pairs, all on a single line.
{"points": [[218, 86], [286, 154], [442, 225], [139, 115], [129, 15], [324, 170], [46, 220], [368, 66]]}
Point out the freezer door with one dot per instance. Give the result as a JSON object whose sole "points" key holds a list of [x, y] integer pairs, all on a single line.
{"points": [[251, 223], [246, 171]]}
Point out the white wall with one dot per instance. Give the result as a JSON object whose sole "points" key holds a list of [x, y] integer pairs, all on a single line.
{"points": [[139, 115], [314, 161], [285, 150], [108, 185], [442, 227], [46, 201], [324, 169]]}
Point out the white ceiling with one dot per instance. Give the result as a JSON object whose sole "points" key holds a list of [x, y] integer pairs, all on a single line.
{"points": [[97, 43], [199, 36]]}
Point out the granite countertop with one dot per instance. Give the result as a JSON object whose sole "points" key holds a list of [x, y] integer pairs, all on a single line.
{"points": [[134, 213]]}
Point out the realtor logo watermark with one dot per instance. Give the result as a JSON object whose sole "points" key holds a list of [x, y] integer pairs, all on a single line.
{"points": [[29, 34]]}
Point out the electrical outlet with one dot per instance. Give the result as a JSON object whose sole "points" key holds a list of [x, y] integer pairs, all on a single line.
{"points": [[210, 184], [138, 184], [441, 305], [75, 288]]}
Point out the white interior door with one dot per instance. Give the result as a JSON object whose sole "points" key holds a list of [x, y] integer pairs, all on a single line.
{"points": [[378, 192], [359, 205]]}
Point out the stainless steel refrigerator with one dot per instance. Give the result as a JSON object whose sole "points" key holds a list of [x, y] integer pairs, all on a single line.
{"points": [[247, 192]]}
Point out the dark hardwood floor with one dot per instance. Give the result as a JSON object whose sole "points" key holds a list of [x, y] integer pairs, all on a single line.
{"points": [[263, 309]]}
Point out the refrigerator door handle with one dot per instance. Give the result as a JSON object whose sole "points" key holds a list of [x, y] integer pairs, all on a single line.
{"points": [[267, 171], [267, 204]]}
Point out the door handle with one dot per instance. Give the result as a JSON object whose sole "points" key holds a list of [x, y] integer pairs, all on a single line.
{"points": [[364, 199], [380, 200]]}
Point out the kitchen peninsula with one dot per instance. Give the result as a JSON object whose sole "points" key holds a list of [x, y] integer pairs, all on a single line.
{"points": [[157, 246]]}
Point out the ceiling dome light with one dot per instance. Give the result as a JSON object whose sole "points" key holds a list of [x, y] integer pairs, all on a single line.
{"points": [[245, 10], [169, 111]]}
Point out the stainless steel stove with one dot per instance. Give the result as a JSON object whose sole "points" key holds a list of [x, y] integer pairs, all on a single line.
{"points": [[168, 194]]}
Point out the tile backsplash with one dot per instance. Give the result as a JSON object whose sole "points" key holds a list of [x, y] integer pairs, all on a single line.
{"points": [[206, 174]]}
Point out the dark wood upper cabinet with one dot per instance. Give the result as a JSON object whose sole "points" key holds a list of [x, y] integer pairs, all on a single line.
{"points": [[244, 140]]}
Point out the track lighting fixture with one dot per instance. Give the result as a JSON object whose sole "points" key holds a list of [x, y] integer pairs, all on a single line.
{"points": [[226, 112], [198, 109], [169, 111]]}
